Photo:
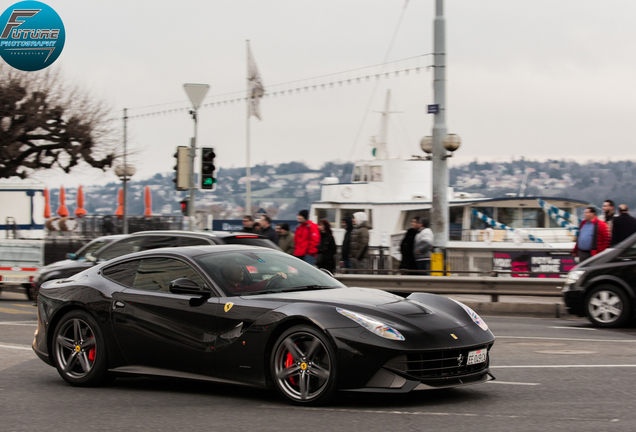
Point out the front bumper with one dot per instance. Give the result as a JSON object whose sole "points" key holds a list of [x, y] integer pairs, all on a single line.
{"points": [[574, 299]]}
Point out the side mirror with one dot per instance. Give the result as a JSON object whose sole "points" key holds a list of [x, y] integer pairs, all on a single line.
{"points": [[186, 286], [90, 258], [327, 272], [71, 256]]}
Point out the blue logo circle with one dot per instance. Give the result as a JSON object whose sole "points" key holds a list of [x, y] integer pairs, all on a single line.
{"points": [[31, 35]]}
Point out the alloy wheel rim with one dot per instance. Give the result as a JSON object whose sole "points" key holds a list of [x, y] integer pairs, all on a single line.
{"points": [[302, 366], [75, 348], [605, 306]]}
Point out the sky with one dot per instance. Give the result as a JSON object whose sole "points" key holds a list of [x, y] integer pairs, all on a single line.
{"points": [[532, 78]]}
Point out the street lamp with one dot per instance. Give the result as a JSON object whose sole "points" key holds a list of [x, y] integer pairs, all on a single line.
{"points": [[196, 93], [124, 172], [451, 143]]}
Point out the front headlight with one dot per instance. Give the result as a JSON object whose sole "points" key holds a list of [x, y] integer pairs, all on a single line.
{"points": [[373, 325], [574, 276], [474, 316]]}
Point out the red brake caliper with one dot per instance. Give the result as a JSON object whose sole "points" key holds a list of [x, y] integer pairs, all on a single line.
{"points": [[290, 362], [91, 353]]}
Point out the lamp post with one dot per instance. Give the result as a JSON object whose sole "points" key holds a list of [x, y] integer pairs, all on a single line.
{"points": [[124, 172], [196, 93]]}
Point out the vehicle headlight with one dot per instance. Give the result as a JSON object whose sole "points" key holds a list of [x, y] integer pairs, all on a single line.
{"points": [[474, 316], [574, 276], [373, 325]]}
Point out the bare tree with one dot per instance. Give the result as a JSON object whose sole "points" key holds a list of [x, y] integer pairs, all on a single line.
{"points": [[46, 123]]}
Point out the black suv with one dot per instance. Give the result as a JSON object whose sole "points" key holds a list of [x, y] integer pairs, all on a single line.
{"points": [[105, 248], [603, 288]]}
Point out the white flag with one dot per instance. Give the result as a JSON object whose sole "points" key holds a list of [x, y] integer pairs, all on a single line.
{"points": [[256, 89]]}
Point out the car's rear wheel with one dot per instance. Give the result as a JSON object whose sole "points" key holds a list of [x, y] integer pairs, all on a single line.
{"points": [[607, 306], [303, 366], [79, 350]]}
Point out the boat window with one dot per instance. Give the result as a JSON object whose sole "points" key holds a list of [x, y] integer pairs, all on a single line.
{"points": [[455, 222], [414, 213], [532, 218], [553, 224], [509, 216], [477, 223], [376, 173], [349, 212], [361, 173], [329, 214]]}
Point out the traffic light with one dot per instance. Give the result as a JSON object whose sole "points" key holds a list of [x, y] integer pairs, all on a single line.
{"points": [[184, 206], [182, 168], [207, 168]]}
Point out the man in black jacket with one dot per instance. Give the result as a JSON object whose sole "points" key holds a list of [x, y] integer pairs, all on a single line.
{"points": [[407, 246], [267, 230], [623, 225], [347, 224]]}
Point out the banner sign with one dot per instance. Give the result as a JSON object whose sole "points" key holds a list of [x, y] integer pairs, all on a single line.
{"points": [[541, 264]]}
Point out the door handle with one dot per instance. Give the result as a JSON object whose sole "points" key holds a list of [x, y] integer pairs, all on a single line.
{"points": [[118, 305]]}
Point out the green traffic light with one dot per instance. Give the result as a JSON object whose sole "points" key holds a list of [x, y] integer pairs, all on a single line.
{"points": [[208, 181]]}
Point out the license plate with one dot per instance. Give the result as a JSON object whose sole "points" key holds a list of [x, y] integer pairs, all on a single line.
{"points": [[15, 279], [475, 357]]}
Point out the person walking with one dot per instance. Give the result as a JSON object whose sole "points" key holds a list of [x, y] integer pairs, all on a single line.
{"points": [[306, 238], [285, 238], [624, 225], [267, 230], [423, 245], [593, 238], [359, 245], [347, 225], [248, 224], [407, 246], [609, 211], [327, 247]]}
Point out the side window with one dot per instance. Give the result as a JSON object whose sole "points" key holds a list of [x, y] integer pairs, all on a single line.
{"points": [[194, 241], [123, 273], [158, 241], [630, 251], [155, 274], [120, 248]]}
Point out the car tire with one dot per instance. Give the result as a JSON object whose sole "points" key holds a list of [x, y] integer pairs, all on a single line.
{"points": [[79, 350], [607, 306], [303, 366]]}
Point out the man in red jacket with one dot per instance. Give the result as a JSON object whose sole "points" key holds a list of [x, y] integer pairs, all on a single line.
{"points": [[593, 238], [307, 238]]}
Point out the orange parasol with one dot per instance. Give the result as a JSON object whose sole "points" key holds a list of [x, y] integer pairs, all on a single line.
{"points": [[47, 204], [120, 204], [79, 200], [62, 210], [147, 201]]}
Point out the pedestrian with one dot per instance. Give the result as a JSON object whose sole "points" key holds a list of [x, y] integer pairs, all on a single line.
{"points": [[609, 210], [248, 224], [423, 245], [407, 245], [267, 230], [624, 225], [347, 225], [257, 229], [326, 248], [593, 238], [285, 238], [359, 245], [306, 238]]}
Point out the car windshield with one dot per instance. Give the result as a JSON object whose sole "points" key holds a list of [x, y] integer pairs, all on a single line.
{"points": [[90, 248], [260, 272]]}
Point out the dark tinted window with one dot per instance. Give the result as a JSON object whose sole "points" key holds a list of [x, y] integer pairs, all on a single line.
{"points": [[159, 241], [250, 241], [123, 273], [121, 247], [194, 241], [91, 247], [155, 274]]}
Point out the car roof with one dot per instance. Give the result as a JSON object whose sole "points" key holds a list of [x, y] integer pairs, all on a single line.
{"points": [[201, 234], [192, 251]]}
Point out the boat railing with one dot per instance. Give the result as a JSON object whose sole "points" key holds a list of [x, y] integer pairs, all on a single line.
{"points": [[522, 235]]}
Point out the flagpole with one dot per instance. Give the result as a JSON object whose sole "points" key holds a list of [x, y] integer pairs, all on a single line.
{"points": [[248, 185]]}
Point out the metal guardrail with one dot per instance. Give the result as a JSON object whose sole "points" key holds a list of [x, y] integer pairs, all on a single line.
{"points": [[492, 286]]}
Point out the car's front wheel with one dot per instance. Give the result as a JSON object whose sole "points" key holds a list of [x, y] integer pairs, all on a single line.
{"points": [[79, 350], [303, 366], [607, 306]]}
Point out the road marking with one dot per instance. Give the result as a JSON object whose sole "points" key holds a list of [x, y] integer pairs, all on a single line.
{"points": [[15, 311], [513, 383], [562, 366], [23, 305], [573, 328], [20, 347], [19, 323], [568, 339]]}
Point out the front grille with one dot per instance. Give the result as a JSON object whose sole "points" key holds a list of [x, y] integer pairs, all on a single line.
{"points": [[437, 363]]}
